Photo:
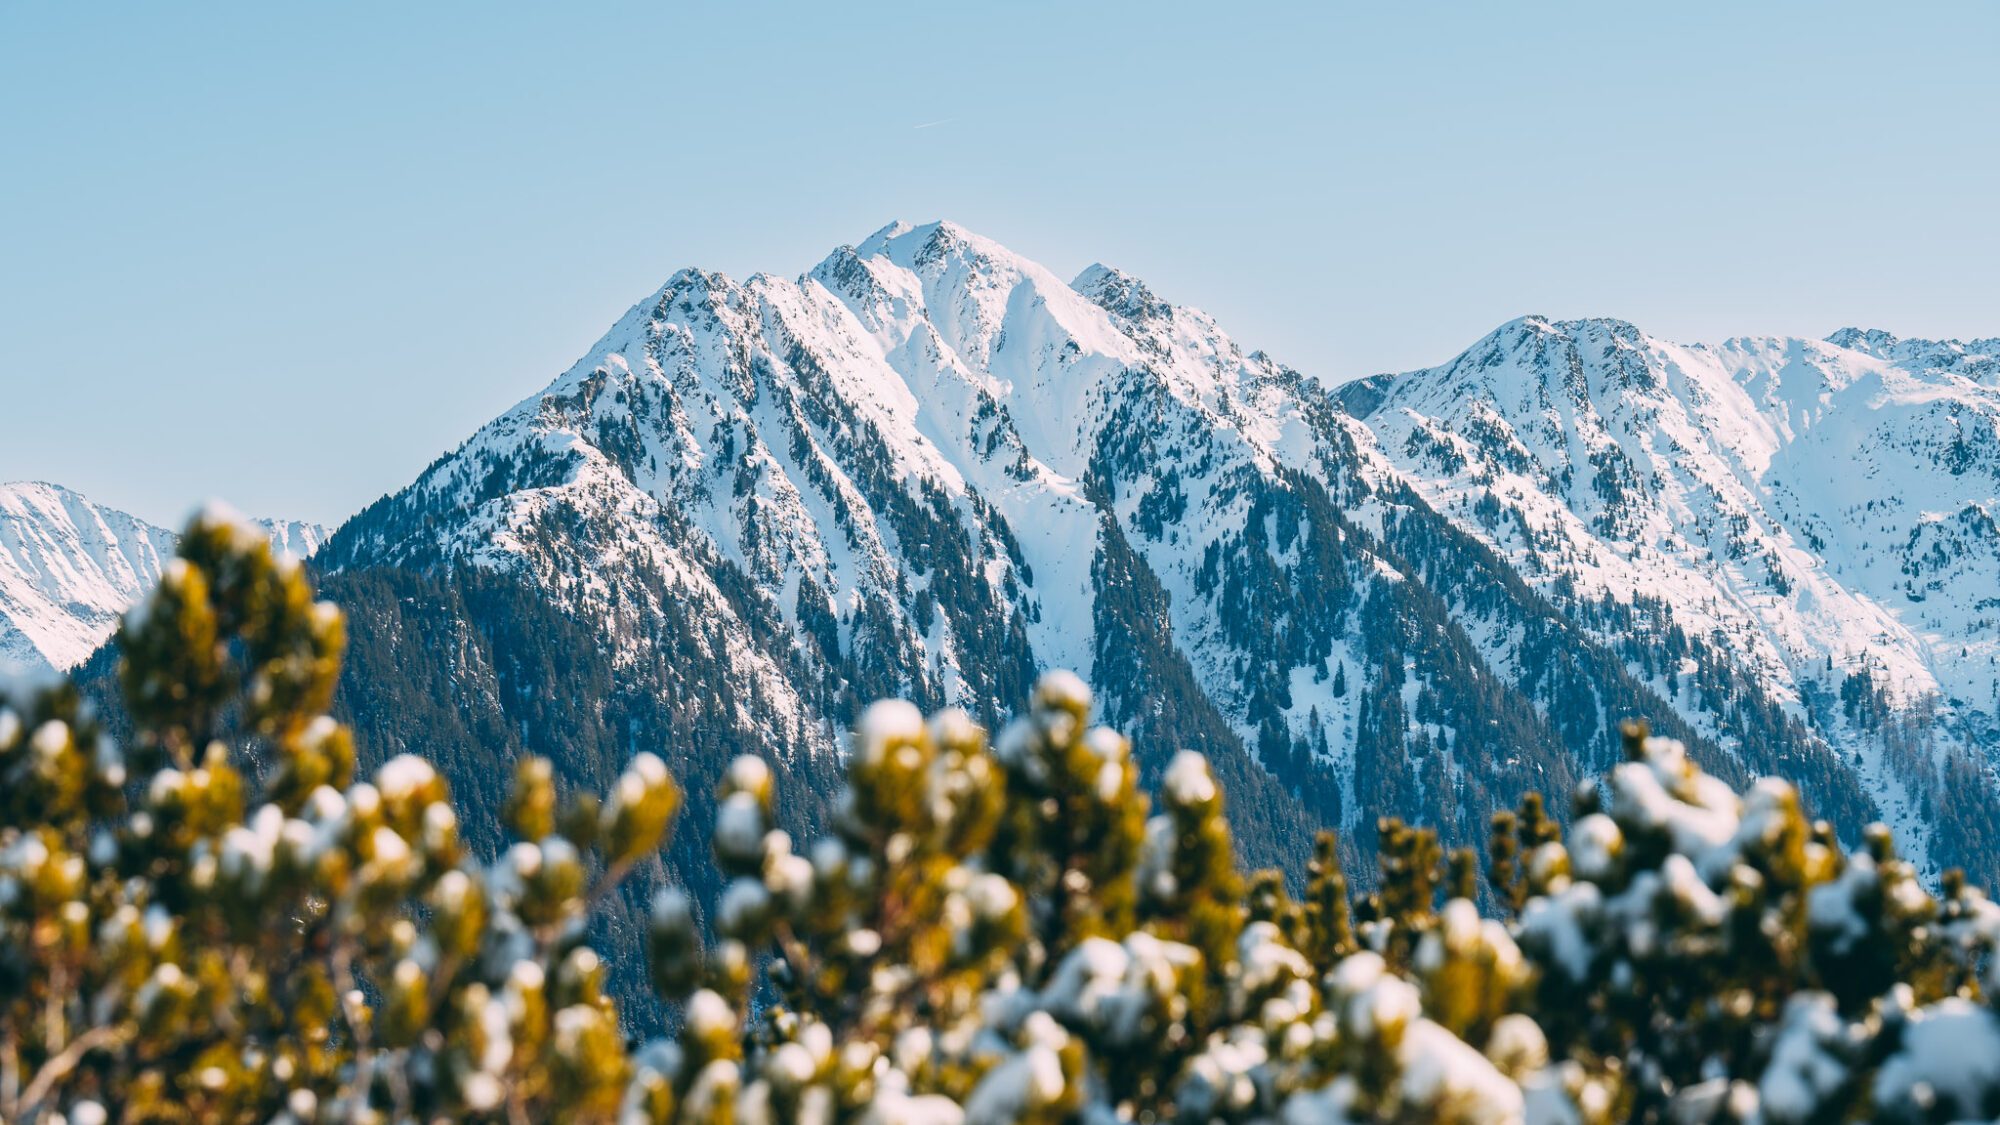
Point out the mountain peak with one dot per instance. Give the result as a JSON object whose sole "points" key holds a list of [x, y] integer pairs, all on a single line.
{"points": [[695, 280], [1610, 326], [1119, 293], [901, 233], [1536, 330], [1527, 322], [941, 239], [873, 245], [1537, 334], [1871, 341], [14, 490], [1978, 360]]}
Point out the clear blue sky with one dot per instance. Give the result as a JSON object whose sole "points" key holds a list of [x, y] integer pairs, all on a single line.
{"points": [[288, 253]]}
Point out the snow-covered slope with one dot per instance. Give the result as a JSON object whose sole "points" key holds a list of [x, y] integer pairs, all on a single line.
{"points": [[297, 539], [1824, 510], [930, 467], [69, 568]]}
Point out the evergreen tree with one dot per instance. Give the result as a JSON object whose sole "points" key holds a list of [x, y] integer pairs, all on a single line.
{"points": [[214, 919]]}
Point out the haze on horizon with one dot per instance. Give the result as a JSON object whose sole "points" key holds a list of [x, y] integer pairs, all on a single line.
{"points": [[287, 257]]}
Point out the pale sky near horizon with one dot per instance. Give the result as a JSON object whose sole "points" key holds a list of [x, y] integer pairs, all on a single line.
{"points": [[286, 255]]}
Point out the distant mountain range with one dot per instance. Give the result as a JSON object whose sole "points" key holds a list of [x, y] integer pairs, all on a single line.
{"points": [[931, 468], [69, 568]]}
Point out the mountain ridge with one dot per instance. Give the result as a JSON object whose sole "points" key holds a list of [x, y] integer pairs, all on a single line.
{"points": [[929, 467], [1806, 498]]}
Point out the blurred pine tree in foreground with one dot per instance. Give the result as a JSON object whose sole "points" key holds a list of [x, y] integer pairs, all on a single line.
{"points": [[218, 922]]}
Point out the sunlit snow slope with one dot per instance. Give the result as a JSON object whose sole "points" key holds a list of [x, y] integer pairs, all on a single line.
{"points": [[1824, 510], [69, 568]]}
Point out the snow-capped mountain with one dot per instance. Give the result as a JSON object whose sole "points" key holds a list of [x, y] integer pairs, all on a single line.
{"points": [[69, 568], [1825, 511], [930, 467], [296, 539]]}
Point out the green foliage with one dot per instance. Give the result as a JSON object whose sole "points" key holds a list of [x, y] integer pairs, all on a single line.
{"points": [[218, 922]]}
